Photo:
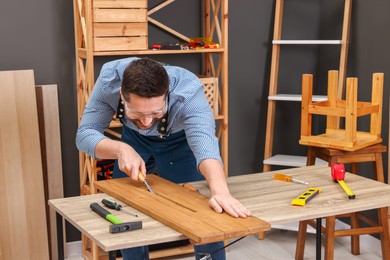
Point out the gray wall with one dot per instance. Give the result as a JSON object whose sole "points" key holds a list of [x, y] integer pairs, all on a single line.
{"points": [[39, 35]]}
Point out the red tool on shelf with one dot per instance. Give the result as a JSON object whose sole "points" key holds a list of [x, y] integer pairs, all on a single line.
{"points": [[338, 175]]}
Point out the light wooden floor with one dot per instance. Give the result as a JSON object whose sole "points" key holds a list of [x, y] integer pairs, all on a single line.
{"points": [[280, 244]]}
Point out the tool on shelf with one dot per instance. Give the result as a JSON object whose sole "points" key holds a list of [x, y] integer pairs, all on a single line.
{"points": [[142, 179], [305, 197], [114, 205], [338, 175], [287, 178], [118, 226]]}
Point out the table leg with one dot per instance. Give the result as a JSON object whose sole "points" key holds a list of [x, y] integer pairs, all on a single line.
{"points": [[112, 255], [60, 237], [318, 238]]}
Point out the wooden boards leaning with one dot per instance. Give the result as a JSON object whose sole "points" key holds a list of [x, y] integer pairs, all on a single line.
{"points": [[184, 210], [22, 207], [49, 133]]}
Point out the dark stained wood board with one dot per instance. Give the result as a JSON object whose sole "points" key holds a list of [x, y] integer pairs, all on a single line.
{"points": [[181, 209]]}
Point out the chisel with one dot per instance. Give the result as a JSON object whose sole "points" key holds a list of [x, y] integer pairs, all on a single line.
{"points": [[142, 179]]}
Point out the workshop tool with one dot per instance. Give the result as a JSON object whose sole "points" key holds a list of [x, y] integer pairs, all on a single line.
{"points": [[190, 187], [118, 226], [305, 197], [338, 175], [114, 205], [283, 177], [142, 179]]}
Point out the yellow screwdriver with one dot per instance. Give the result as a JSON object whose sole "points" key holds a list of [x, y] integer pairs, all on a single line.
{"points": [[287, 178]]}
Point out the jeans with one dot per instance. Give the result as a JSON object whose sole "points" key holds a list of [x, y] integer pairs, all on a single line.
{"points": [[142, 252]]}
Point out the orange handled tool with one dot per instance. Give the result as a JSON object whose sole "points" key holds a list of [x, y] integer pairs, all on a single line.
{"points": [[142, 179], [283, 177]]}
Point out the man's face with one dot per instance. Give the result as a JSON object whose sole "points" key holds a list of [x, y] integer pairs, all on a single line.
{"points": [[144, 112]]}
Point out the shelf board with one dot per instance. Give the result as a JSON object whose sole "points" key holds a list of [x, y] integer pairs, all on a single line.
{"points": [[155, 52], [299, 42], [290, 160], [293, 97]]}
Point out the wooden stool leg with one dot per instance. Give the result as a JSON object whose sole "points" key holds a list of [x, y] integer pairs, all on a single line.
{"points": [[311, 156], [378, 167], [261, 235], [355, 168], [385, 237], [329, 237], [301, 240], [355, 242]]}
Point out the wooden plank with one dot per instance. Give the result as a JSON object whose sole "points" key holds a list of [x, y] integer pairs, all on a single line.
{"points": [[120, 15], [49, 132], [22, 207], [120, 3], [120, 29], [181, 209], [120, 43]]}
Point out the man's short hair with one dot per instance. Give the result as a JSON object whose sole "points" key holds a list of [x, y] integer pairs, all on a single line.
{"points": [[146, 78]]}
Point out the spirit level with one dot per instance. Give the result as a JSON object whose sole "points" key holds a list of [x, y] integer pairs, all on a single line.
{"points": [[306, 197]]}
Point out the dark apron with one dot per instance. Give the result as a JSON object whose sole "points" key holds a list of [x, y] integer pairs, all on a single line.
{"points": [[171, 158]]}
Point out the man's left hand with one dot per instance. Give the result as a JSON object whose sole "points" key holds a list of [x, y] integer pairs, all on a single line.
{"points": [[229, 204]]}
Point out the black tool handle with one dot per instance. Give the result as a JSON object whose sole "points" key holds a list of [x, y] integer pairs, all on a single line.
{"points": [[111, 204], [99, 210]]}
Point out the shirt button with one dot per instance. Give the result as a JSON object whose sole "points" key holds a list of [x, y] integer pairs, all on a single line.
{"points": [[171, 163]]}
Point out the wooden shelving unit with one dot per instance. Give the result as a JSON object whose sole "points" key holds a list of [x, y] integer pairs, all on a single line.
{"points": [[274, 96], [117, 28]]}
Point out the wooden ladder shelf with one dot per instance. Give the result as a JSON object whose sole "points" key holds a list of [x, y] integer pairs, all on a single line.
{"points": [[274, 96]]}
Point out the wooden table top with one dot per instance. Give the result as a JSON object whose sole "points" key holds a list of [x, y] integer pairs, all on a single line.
{"points": [[268, 199]]}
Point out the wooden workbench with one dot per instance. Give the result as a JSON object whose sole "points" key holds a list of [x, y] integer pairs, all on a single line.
{"points": [[268, 199]]}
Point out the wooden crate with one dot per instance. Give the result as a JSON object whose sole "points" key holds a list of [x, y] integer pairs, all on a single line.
{"points": [[120, 25], [348, 139]]}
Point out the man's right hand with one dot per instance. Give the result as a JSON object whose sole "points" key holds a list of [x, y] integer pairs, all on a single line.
{"points": [[129, 161]]}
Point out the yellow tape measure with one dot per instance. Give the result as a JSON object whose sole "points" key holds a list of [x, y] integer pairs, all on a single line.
{"points": [[347, 190], [306, 197]]}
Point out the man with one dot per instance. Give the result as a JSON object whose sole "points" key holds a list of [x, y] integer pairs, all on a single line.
{"points": [[168, 129]]}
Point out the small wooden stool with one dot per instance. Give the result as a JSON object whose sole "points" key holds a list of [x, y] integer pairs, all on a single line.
{"points": [[350, 109], [368, 154]]}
